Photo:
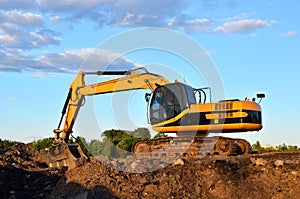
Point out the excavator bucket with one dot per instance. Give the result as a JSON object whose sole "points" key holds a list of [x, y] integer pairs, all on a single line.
{"points": [[63, 155]]}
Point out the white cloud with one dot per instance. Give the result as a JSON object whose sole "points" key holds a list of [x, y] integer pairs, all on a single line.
{"points": [[18, 4], [241, 26], [66, 62], [55, 18], [288, 34], [144, 12], [24, 19], [91, 59], [9, 68], [6, 39], [167, 13], [113, 12], [21, 27], [241, 16], [14, 99], [13, 36], [213, 4], [187, 24], [24, 27], [131, 19], [72, 5], [41, 74], [24, 31]]}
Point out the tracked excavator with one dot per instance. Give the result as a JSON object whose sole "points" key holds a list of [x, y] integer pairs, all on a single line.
{"points": [[172, 108]]}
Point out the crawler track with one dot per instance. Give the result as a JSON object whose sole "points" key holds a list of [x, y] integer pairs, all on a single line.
{"points": [[192, 146]]}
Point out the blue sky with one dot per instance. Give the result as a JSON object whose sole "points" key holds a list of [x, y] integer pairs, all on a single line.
{"points": [[254, 45]]}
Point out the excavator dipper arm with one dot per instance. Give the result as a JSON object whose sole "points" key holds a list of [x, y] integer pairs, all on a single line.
{"points": [[132, 80]]}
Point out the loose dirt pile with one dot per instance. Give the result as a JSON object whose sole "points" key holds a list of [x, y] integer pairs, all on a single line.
{"points": [[269, 175]]}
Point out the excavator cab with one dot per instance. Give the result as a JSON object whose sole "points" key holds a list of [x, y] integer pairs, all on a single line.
{"points": [[169, 101], [174, 108]]}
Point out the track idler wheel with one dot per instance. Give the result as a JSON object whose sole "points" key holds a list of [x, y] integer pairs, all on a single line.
{"points": [[141, 147], [244, 147], [225, 147]]}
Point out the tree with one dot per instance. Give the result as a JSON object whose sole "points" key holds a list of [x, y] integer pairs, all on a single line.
{"points": [[42, 143], [118, 143], [160, 135], [290, 147], [110, 150], [257, 146], [282, 147], [95, 147], [83, 145], [6, 143], [115, 136], [141, 133]]}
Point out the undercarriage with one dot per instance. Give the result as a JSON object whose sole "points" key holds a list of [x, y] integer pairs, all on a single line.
{"points": [[192, 146]]}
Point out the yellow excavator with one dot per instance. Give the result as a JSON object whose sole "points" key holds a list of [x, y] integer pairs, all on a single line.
{"points": [[172, 108]]}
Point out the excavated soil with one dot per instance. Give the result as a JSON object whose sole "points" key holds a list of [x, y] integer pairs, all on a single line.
{"points": [[266, 175]]}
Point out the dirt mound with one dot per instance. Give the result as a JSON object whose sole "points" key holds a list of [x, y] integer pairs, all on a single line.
{"points": [[269, 175], [23, 175], [21, 156]]}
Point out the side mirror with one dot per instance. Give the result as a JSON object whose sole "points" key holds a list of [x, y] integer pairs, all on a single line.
{"points": [[260, 96]]}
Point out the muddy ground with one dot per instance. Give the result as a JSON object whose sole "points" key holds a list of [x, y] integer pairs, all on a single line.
{"points": [[267, 175]]}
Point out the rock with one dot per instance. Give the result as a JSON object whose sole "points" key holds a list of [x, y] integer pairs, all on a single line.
{"points": [[47, 188], [289, 162], [177, 177], [156, 163], [258, 161], [179, 161], [161, 166], [264, 170], [114, 163], [279, 163], [294, 173], [143, 180], [150, 190], [135, 164]]}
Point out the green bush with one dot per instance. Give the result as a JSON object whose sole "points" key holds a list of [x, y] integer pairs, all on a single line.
{"points": [[6, 143], [95, 147], [83, 145], [118, 143], [283, 147], [42, 143], [160, 135]]}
